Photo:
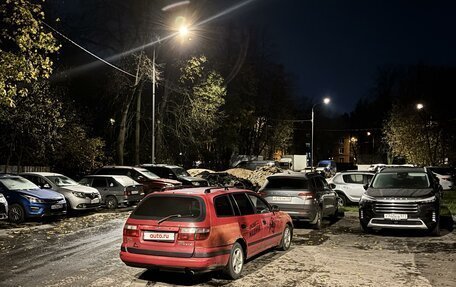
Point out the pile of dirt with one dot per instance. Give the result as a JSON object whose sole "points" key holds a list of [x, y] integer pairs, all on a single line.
{"points": [[198, 172], [259, 175], [239, 177]]}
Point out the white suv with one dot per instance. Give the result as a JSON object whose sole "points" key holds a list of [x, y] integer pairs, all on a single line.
{"points": [[350, 185]]}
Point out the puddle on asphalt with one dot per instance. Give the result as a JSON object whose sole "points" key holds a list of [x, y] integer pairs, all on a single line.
{"points": [[312, 239]]}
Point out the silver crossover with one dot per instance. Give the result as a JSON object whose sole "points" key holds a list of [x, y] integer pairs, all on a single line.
{"points": [[115, 190], [78, 197], [305, 197]]}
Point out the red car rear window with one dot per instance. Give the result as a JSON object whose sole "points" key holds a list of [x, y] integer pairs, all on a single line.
{"points": [[159, 206]]}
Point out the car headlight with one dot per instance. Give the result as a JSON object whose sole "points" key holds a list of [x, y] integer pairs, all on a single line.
{"points": [[366, 198], [429, 199], [33, 199], [79, 194]]}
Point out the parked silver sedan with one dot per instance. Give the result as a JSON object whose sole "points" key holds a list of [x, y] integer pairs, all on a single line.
{"points": [[304, 196], [115, 190], [78, 197]]}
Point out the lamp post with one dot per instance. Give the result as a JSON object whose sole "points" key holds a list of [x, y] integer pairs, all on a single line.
{"points": [[183, 32], [325, 101]]}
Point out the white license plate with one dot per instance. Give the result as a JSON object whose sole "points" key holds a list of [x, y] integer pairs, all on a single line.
{"points": [[134, 192], [159, 236], [56, 206], [281, 198], [95, 200], [395, 216]]}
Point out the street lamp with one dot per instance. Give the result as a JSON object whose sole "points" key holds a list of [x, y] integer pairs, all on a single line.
{"points": [[419, 106], [325, 101], [183, 31]]}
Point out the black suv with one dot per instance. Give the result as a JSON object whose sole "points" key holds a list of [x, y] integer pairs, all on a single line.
{"points": [[402, 198], [177, 173]]}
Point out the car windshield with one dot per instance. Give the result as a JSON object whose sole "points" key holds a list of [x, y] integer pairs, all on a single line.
{"points": [[180, 172], [148, 173], [158, 207], [125, 180], [323, 164], [401, 180], [17, 183], [287, 183], [61, 180]]}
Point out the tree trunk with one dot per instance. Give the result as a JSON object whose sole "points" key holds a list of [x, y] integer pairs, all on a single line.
{"points": [[123, 127], [138, 124]]}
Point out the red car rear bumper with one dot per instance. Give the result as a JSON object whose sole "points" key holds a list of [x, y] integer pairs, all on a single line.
{"points": [[200, 261]]}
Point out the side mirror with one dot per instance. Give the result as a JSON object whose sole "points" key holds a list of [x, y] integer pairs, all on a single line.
{"points": [[275, 208], [46, 186], [366, 186], [332, 185]]}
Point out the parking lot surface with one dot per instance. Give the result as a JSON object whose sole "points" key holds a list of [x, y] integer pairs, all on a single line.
{"points": [[84, 251]]}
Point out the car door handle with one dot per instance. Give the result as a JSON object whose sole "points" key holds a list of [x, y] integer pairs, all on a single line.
{"points": [[243, 226]]}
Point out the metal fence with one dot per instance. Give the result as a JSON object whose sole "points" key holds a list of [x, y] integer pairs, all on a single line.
{"points": [[17, 169]]}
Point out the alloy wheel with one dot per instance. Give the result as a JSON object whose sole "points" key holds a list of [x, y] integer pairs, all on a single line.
{"points": [[237, 260]]}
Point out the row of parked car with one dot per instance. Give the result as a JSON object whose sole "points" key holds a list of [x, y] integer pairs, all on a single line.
{"points": [[41, 194], [218, 228]]}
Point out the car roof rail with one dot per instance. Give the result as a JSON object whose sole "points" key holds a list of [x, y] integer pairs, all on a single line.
{"points": [[208, 190]]}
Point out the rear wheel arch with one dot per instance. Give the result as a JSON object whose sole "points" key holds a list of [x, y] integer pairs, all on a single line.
{"points": [[343, 196], [243, 244]]}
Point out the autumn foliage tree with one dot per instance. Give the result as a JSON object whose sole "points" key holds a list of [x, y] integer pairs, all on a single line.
{"points": [[25, 48], [414, 135]]}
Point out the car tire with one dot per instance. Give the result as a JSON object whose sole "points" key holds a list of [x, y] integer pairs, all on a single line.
{"points": [[343, 199], [111, 202], [287, 235], [436, 230], [338, 213], [235, 264], [16, 213], [317, 221]]}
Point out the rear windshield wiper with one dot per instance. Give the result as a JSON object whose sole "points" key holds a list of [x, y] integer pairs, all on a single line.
{"points": [[168, 217], [173, 216]]}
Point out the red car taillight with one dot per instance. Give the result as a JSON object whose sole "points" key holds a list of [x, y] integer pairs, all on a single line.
{"points": [[306, 195], [193, 233], [131, 230]]}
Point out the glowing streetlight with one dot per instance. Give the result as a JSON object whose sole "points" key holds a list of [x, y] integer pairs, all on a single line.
{"points": [[325, 101], [183, 31], [419, 106]]}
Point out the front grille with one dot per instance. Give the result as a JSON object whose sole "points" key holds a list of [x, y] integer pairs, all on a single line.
{"points": [[52, 201], [395, 207], [91, 195], [406, 222]]}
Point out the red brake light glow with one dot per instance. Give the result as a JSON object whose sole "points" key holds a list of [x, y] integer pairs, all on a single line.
{"points": [[306, 195], [131, 230], [193, 233]]}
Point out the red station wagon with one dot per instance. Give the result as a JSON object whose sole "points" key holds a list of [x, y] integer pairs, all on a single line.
{"points": [[203, 229]]}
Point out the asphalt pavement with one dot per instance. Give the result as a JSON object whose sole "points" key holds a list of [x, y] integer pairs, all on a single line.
{"points": [[84, 251]]}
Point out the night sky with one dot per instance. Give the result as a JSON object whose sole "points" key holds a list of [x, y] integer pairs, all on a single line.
{"points": [[334, 48]]}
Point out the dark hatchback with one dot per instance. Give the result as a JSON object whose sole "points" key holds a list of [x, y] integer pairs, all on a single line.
{"points": [[26, 200], [401, 198]]}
